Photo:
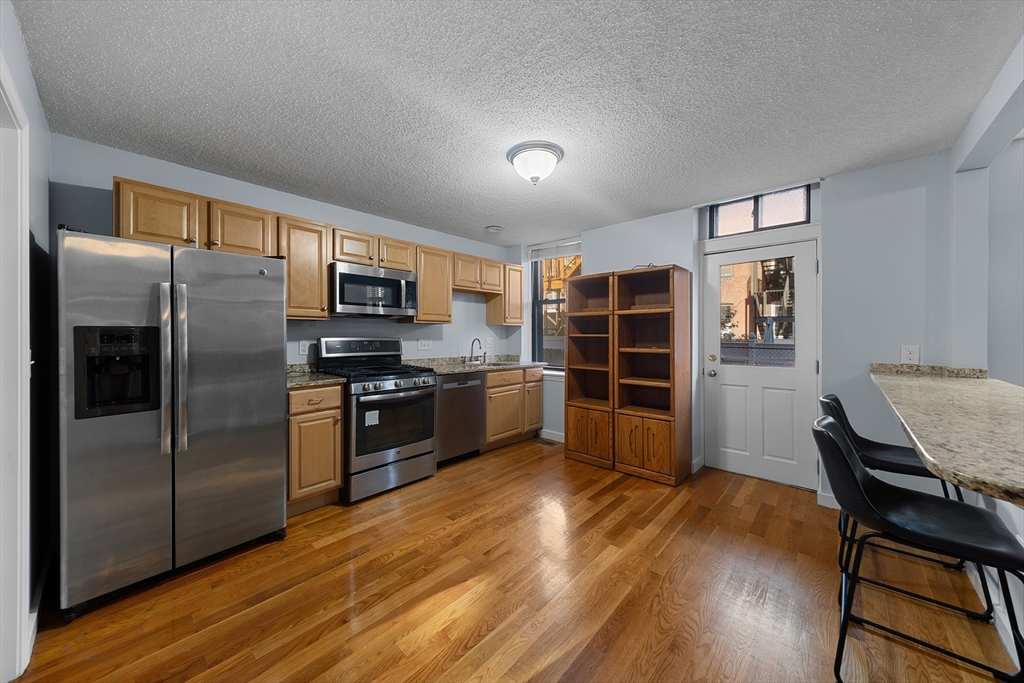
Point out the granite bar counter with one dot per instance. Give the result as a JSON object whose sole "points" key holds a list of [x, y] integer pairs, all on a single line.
{"points": [[968, 429], [456, 366]]}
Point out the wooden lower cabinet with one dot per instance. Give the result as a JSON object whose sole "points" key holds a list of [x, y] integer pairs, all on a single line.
{"points": [[588, 436], [314, 453], [533, 406], [645, 447], [504, 412]]}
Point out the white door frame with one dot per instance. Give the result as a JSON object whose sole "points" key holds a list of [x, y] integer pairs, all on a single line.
{"points": [[753, 240], [17, 623]]}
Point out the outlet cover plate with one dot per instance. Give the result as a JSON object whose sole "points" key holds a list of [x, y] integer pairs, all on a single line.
{"points": [[422, 344], [304, 347], [490, 342], [910, 354]]}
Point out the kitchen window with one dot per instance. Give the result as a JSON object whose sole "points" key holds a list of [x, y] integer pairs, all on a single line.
{"points": [[780, 209], [548, 310]]}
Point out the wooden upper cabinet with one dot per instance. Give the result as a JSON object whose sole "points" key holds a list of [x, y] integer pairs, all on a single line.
{"points": [[465, 271], [304, 245], [513, 294], [396, 254], [434, 285], [490, 275], [242, 230], [157, 214], [355, 247]]}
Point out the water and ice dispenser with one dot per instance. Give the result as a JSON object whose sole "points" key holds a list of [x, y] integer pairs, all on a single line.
{"points": [[116, 370]]}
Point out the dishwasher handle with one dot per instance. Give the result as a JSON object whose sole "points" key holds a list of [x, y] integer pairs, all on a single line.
{"points": [[459, 385]]}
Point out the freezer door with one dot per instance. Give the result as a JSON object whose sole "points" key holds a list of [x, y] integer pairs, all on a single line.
{"points": [[115, 484], [231, 402]]}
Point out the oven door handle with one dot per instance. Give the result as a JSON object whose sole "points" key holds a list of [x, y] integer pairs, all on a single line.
{"points": [[401, 394]]}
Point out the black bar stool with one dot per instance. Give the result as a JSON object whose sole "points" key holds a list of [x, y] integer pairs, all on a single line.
{"points": [[919, 521], [884, 458]]}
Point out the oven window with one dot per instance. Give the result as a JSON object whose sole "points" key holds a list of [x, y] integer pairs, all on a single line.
{"points": [[360, 290], [393, 423]]}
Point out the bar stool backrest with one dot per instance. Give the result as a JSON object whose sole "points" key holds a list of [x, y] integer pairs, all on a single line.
{"points": [[833, 407], [848, 477]]}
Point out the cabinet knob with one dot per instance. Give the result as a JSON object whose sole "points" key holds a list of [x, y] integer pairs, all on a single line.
{"points": [[323, 308], [193, 240], [382, 259], [371, 258], [215, 243]]}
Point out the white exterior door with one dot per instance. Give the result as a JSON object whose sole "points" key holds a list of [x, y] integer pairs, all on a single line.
{"points": [[760, 362]]}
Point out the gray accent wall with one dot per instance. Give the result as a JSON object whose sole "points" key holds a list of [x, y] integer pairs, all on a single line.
{"points": [[1006, 265]]}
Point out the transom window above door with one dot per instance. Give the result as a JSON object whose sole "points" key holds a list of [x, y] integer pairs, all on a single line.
{"points": [[780, 209]]}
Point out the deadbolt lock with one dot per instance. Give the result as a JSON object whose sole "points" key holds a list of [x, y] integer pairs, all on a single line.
{"points": [[712, 357]]}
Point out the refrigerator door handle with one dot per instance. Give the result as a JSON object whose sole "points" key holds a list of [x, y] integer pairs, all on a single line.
{"points": [[166, 368], [181, 375]]}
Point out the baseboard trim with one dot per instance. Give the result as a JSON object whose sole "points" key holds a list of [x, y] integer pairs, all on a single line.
{"points": [[827, 500], [1001, 618], [553, 436]]}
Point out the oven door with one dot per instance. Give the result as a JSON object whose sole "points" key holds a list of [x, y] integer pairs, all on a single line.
{"points": [[385, 428], [362, 290]]}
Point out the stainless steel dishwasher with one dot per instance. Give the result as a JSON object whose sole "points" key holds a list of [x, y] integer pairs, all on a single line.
{"points": [[461, 420]]}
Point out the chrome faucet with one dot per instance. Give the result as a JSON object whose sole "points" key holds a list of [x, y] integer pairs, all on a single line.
{"points": [[472, 345]]}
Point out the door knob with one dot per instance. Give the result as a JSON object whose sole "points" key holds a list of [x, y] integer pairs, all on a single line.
{"points": [[712, 373]]}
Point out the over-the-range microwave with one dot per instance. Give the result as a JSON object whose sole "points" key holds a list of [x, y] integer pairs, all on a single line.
{"points": [[365, 290]]}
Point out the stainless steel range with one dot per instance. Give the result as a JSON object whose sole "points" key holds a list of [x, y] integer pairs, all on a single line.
{"points": [[389, 414]]}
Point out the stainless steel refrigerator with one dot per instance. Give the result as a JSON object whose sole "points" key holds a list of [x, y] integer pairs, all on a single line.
{"points": [[171, 404]]}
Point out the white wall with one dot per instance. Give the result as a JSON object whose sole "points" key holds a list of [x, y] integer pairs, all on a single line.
{"points": [[1006, 266], [81, 163], [17, 619]]}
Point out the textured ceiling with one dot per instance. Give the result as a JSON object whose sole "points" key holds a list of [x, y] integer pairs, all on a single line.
{"points": [[406, 109]]}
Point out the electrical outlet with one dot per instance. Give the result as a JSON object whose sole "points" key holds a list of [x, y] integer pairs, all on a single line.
{"points": [[304, 347], [422, 344], [910, 354], [490, 342]]}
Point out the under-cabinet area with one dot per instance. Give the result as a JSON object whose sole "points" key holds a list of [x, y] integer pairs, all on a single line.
{"points": [[627, 377], [152, 213]]}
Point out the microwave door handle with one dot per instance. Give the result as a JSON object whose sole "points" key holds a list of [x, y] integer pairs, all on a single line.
{"points": [[166, 369], [181, 376]]}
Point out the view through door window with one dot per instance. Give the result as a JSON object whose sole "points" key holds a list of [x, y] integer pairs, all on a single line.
{"points": [[758, 313], [549, 307]]}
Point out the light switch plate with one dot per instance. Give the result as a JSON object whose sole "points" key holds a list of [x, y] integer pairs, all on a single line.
{"points": [[304, 347], [422, 344], [910, 354], [490, 342]]}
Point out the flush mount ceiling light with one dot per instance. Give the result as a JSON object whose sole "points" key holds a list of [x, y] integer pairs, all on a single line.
{"points": [[493, 228], [535, 160]]}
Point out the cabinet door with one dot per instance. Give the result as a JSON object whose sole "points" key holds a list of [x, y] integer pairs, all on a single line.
{"points": [[599, 436], [304, 246], [577, 429], [659, 455], [513, 294], [490, 275], [504, 412], [397, 255], [533, 406], [629, 440], [355, 247], [465, 271], [157, 214], [242, 230], [434, 285], [314, 453]]}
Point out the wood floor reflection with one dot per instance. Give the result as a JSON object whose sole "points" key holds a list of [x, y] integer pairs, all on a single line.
{"points": [[521, 565]]}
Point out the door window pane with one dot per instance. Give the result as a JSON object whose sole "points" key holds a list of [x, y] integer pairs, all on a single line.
{"points": [[758, 313], [783, 208]]}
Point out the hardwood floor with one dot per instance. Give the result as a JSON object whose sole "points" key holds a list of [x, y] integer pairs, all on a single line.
{"points": [[521, 565]]}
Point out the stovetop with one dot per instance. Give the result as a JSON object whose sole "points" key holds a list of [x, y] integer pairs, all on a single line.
{"points": [[378, 372]]}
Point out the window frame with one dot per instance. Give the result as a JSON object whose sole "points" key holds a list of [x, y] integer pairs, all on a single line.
{"points": [[537, 315], [713, 213]]}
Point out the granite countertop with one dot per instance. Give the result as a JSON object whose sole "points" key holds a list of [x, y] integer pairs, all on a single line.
{"points": [[968, 430], [300, 379], [455, 366]]}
